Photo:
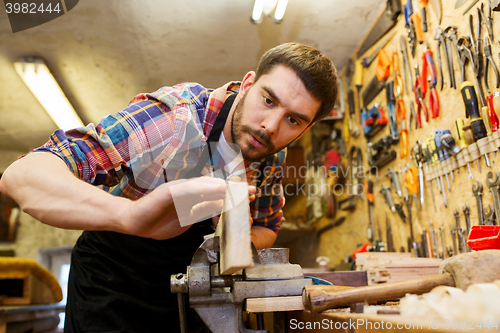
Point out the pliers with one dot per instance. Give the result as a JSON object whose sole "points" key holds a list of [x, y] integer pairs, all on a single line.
{"points": [[433, 102], [428, 63], [489, 59], [419, 99]]}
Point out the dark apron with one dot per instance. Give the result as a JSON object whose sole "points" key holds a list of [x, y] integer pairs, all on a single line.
{"points": [[121, 283]]}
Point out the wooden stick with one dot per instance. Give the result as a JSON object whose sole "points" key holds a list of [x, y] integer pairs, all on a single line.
{"points": [[322, 300]]}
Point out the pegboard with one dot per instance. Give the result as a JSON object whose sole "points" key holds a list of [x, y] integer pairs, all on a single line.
{"points": [[344, 239]]}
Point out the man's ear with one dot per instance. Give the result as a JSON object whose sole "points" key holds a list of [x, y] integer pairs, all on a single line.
{"points": [[247, 81]]}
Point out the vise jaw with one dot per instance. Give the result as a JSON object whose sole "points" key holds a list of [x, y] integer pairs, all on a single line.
{"points": [[219, 299]]}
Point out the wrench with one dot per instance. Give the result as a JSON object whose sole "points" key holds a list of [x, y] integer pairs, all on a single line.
{"points": [[466, 211], [434, 241], [477, 191], [493, 184], [450, 34], [457, 221], [454, 237], [442, 241], [462, 238], [489, 215]]}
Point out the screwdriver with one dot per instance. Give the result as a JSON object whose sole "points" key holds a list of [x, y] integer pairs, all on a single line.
{"points": [[369, 196], [472, 109], [411, 183], [435, 161], [459, 126], [442, 153], [425, 155]]}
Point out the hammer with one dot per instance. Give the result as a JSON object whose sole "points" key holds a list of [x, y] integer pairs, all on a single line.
{"points": [[459, 271]]}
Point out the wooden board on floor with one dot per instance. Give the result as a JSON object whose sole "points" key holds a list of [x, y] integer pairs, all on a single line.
{"points": [[234, 230], [274, 304]]}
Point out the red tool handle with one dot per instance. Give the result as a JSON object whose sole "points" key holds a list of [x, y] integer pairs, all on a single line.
{"points": [[428, 57], [423, 78], [434, 103], [381, 119], [492, 114]]}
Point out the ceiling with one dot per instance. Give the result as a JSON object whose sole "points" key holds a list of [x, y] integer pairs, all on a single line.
{"points": [[104, 52]]}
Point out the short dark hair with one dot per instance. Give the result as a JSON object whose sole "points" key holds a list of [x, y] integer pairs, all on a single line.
{"points": [[315, 69]]}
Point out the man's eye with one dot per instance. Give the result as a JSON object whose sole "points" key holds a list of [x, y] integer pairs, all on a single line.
{"points": [[293, 121], [268, 101]]}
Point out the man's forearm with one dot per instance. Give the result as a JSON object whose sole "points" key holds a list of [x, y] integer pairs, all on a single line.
{"points": [[45, 188]]}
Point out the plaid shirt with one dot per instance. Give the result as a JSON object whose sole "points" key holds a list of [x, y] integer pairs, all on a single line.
{"points": [[159, 137]]}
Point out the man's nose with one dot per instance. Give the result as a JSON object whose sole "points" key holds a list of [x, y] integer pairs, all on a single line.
{"points": [[271, 122]]}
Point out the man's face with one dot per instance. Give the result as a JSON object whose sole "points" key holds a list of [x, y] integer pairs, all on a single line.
{"points": [[272, 113]]}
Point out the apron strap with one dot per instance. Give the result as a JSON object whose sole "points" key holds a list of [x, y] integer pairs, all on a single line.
{"points": [[213, 137]]}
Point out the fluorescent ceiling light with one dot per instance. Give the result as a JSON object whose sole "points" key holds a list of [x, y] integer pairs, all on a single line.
{"points": [[280, 10], [42, 84], [263, 8], [258, 7]]}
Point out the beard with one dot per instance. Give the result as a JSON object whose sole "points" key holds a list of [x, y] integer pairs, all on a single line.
{"points": [[240, 132]]}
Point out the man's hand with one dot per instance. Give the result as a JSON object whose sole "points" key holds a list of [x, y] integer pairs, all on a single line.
{"points": [[172, 208]]}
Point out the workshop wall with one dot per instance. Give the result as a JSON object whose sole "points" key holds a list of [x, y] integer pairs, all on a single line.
{"points": [[33, 235], [342, 240]]}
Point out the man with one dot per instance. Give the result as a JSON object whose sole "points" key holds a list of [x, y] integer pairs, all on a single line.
{"points": [[133, 239]]}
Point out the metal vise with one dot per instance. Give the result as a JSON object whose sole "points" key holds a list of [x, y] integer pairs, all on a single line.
{"points": [[219, 300]]}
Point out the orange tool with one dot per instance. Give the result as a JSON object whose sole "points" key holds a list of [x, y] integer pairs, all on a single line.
{"points": [[403, 133], [417, 23], [383, 65], [411, 183]]}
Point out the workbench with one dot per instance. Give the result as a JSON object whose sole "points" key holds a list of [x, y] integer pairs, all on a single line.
{"points": [[26, 317]]}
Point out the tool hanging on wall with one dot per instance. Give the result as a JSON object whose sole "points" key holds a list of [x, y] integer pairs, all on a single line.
{"points": [[353, 127], [472, 110], [410, 29], [391, 112], [417, 156], [385, 22], [373, 121], [450, 35], [379, 153], [419, 98], [425, 160], [477, 191], [489, 61], [459, 125], [441, 42], [433, 155], [355, 179], [407, 77], [403, 133], [369, 197], [412, 185], [428, 63], [358, 82]]}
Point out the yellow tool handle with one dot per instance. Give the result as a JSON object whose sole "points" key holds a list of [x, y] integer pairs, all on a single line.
{"points": [[358, 73], [403, 143], [459, 126]]}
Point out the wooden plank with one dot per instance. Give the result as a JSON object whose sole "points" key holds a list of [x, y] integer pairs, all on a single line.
{"points": [[274, 304], [234, 230]]}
